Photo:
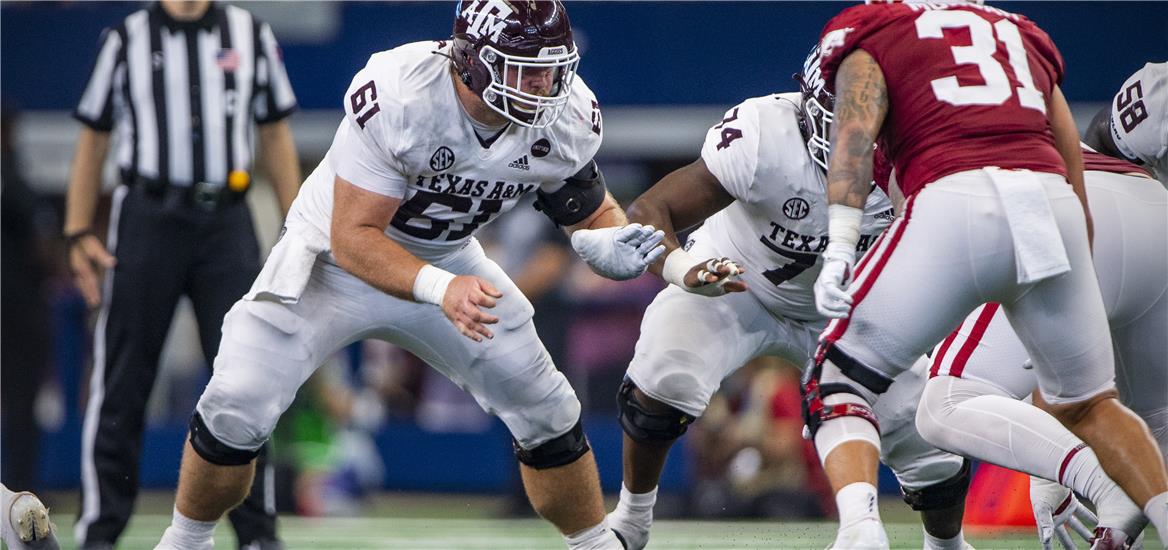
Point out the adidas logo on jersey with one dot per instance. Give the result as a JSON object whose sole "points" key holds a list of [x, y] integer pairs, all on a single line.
{"points": [[520, 163]]}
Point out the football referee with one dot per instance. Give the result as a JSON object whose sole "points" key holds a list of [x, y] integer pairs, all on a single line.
{"points": [[180, 83]]}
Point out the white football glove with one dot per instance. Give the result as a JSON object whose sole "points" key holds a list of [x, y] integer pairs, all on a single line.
{"points": [[1056, 511], [831, 288], [619, 253]]}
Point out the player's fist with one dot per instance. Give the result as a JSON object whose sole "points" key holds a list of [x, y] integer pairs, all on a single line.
{"points": [[619, 253], [463, 302], [831, 294], [1055, 511], [714, 277]]}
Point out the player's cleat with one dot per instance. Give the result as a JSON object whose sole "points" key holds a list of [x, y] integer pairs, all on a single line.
{"points": [[1109, 538], [27, 526], [632, 532], [862, 535]]}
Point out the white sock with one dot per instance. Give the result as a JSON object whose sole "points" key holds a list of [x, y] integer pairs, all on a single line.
{"points": [[857, 502], [190, 530], [597, 537], [955, 543], [1157, 511], [1084, 474], [636, 503]]}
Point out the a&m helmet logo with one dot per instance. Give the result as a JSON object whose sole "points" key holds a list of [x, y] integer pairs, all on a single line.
{"points": [[487, 18]]}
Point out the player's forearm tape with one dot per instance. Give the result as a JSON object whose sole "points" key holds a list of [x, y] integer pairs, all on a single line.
{"points": [[843, 229], [430, 284], [677, 264]]}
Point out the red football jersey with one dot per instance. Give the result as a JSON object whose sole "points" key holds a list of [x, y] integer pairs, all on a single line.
{"points": [[1104, 163], [967, 86]]}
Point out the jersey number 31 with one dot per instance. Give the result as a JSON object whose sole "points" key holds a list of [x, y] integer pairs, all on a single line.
{"points": [[980, 52]]}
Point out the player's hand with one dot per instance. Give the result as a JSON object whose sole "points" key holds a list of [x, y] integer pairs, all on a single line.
{"points": [[619, 253], [88, 259], [714, 277], [462, 304], [831, 288], [1057, 511]]}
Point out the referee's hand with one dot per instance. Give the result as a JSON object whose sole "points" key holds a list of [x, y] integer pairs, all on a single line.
{"points": [[86, 257]]}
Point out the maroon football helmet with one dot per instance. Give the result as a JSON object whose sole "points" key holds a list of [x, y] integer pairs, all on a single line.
{"points": [[816, 106], [505, 48]]}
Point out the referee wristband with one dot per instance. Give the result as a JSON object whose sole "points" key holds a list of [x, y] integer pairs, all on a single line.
{"points": [[430, 285], [73, 237], [843, 230], [677, 264]]}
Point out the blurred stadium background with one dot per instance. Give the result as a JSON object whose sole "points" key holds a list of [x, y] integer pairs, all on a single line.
{"points": [[380, 439]]}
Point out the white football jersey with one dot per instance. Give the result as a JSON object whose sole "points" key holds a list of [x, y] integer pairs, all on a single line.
{"points": [[1139, 119], [406, 135], [777, 226]]}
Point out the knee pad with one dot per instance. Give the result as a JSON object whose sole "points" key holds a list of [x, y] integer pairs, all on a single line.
{"points": [[559, 451], [642, 425], [816, 412], [939, 496], [214, 451]]}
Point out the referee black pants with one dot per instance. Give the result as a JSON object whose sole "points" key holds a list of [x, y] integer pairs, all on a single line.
{"points": [[165, 248]]}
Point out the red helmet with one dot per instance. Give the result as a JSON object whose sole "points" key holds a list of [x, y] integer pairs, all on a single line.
{"points": [[817, 105], [497, 43]]}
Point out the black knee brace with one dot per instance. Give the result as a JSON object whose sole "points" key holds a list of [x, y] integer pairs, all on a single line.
{"points": [[214, 451], [641, 425], [559, 451], [816, 412], [939, 496], [875, 381]]}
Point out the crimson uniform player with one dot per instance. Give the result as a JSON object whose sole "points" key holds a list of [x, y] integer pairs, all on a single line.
{"points": [[965, 102], [979, 374]]}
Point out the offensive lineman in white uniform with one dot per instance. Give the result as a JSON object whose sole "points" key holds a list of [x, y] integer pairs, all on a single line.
{"points": [[971, 404], [1135, 125], [438, 139], [759, 186]]}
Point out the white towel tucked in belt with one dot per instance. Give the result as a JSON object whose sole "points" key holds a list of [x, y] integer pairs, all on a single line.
{"points": [[289, 266], [1038, 247]]}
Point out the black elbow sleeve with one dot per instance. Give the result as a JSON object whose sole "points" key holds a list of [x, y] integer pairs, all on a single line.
{"points": [[577, 199]]}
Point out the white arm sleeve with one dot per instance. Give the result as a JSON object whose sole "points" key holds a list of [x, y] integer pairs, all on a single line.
{"points": [[731, 150], [362, 151]]}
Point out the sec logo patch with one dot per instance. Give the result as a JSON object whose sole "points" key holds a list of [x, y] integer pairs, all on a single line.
{"points": [[796, 208], [442, 159]]}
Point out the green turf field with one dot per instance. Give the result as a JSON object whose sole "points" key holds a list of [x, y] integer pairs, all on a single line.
{"points": [[464, 522], [484, 533]]}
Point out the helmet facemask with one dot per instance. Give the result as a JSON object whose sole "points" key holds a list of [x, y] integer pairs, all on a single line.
{"points": [[817, 119], [505, 93], [816, 109]]}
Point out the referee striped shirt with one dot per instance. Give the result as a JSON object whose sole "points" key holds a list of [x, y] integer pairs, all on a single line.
{"points": [[181, 96]]}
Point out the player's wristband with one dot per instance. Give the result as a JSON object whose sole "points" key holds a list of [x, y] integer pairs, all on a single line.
{"points": [[677, 264], [430, 285], [843, 230]]}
